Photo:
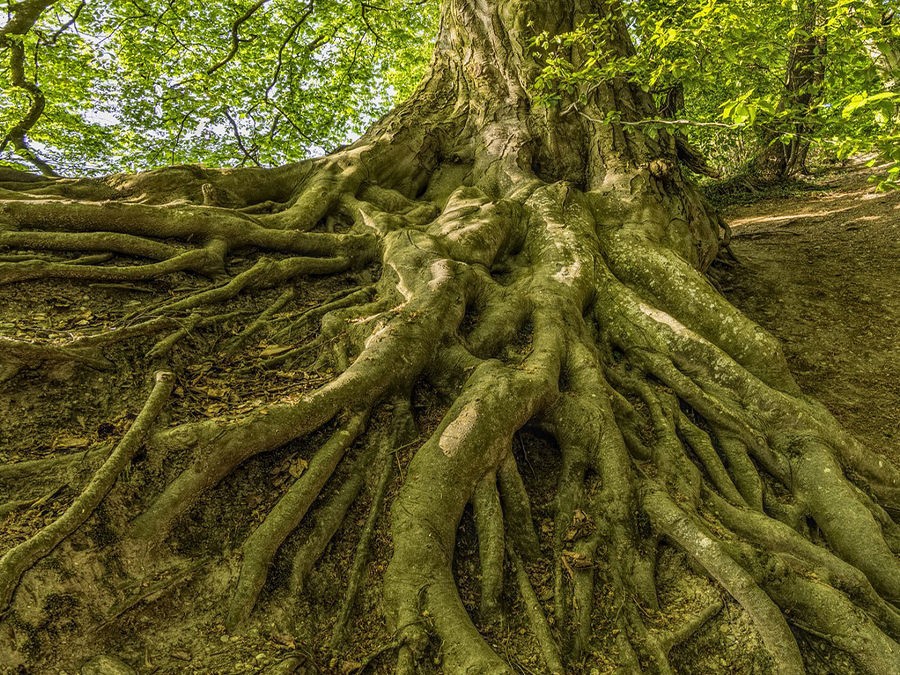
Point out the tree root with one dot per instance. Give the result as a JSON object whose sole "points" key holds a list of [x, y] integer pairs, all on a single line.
{"points": [[361, 555], [491, 545], [20, 558], [238, 341], [264, 274], [328, 519], [193, 322], [261, 546], [767, 617], [536, 617], [681, 635], [202, 261], [341, 301], [672, 419], [21, 354]]}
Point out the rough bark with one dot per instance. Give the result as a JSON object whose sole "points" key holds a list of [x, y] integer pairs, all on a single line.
{"points": [[536, 271]]}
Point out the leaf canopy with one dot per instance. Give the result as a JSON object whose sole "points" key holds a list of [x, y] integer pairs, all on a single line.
{"points": [[136, 84]]}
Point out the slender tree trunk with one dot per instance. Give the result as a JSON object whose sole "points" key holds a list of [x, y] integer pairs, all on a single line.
{"points": [[786, 148]]}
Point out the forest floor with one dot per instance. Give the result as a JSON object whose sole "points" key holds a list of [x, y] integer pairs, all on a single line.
{"points": [[819, 267]]}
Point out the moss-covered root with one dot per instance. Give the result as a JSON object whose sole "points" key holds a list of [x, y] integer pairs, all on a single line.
{"points": [[472, 441], [260, 547], [712, 556], [848, 525], [822, 611], [488, 514], [540, 628], [260, 322], [328, 520], [20, 558], [387, 443]]}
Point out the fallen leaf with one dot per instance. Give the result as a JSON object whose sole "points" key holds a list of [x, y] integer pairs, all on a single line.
{"points": [[298, 466]]}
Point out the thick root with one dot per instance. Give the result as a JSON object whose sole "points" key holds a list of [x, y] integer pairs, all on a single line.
{"points": [[505, 301]]}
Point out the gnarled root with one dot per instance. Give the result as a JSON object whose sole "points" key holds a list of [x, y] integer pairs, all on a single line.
{"points": [[671, 419]]}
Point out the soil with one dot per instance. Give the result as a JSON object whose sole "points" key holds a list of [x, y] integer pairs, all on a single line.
{"points": [[818, 267]]}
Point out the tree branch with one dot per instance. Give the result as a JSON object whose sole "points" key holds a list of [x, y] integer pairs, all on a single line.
{"points": [[235, 35], [11, 37], [240, 141]]}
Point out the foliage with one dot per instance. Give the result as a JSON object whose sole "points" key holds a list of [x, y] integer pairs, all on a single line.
{"points": [[136, 84], [730, 60]]}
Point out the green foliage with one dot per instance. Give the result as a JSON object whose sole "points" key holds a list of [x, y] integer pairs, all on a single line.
{"points": [[731, 59], [137, 84]]}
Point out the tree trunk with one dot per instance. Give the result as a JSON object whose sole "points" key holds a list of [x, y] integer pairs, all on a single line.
{"points": [[536, 273], [786, 146]]}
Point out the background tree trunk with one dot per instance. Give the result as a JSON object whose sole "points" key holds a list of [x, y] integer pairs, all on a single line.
{"points": [[786, 147]]}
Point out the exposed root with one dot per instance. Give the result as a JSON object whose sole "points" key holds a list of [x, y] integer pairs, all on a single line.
{"points": [[204, 261], [847, 524], [826, 613], [19, 559], [259, 322], [328, 519], [778, 537], [536, 617], [517, 509], [111, 337], [681, 635], [343, 300], [491, 545], [387, 447], [672, 419], [163, 347], [261, 546], [22, 504], [112, 242], [766, 615], [701, 444], [188, 326], [35, 470], [264, 274], [19, 354]]}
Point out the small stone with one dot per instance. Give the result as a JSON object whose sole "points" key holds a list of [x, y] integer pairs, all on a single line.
{"points": [[106, 665]]}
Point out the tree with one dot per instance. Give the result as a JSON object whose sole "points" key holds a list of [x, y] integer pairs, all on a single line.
{"points": [[496, 267], [751, 84], [802, 90]]}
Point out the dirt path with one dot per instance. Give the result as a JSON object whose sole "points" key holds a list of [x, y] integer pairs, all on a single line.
{"points": [[821, 270]]}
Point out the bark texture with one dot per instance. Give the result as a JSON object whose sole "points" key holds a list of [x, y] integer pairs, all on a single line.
{"points": [[535, 271]]}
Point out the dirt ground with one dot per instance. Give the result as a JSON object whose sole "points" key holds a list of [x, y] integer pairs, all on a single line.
{"points": [[819, 267]]}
